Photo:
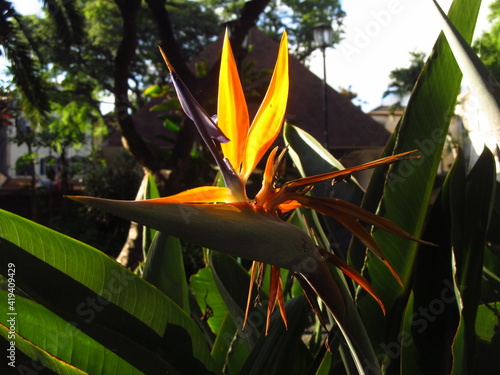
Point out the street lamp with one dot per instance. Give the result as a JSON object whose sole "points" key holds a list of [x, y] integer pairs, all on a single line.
{"points": [[323, 38]]}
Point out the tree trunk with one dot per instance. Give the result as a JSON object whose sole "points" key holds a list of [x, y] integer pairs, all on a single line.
{"points": [[133, 142], [131, 253]]}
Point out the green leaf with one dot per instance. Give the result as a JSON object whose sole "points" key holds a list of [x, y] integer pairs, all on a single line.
{"points": [[85, 285], [37, 327], [470, 221], [487, 321], [164, 269], [229, 350], [480, 81], [233, 283], [408, 188], [29, 358], [171, 126], [431, 316], [153, 90], [447, 281], [208, 298]]}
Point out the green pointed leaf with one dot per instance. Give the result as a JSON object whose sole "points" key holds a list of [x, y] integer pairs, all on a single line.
{"points": [[311, 158], [431, 316], [408, 188], [468, 242], [96, 291], [480, 81], [164, 269]]}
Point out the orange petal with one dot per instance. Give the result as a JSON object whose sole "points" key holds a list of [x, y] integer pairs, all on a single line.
{"points": [[348, 171], [274, 290], [288, 206], [253, 270], [281, 302], [202, 194], [327, 207], [232, 112], [268, 120], [268, 178], [353, 274], [370, 218]]}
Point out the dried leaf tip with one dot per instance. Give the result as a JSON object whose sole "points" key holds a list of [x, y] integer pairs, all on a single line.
{"points": [[169, 66]]}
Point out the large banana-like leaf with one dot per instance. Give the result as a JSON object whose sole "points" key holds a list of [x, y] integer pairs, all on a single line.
{"points": [[409, 184], [85, 286], [68, 345], [28, 358]]}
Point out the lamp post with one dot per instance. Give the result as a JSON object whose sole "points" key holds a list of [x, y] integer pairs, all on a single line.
{"points": [[323, 38]]}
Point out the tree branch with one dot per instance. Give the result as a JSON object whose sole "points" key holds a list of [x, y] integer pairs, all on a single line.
{"points": [[124, 56], [168, 41]]}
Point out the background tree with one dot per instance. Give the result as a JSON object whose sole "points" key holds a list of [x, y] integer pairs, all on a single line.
{"points": [[23, 53], [117, 55], [403, 79], [488, 44]]}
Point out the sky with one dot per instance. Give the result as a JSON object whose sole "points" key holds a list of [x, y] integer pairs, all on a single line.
{"points": [[379, 36]]}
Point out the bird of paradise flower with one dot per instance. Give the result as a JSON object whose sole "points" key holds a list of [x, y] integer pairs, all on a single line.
{"points": [[225, 219]]}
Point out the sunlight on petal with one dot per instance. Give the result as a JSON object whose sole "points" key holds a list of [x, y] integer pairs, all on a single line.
{"points": [[288, 206], [268, 120], [232, 111], [348, 171], [203, 194]]}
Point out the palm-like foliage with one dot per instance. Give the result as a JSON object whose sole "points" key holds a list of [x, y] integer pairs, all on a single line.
{"points": [[22, 52]]}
